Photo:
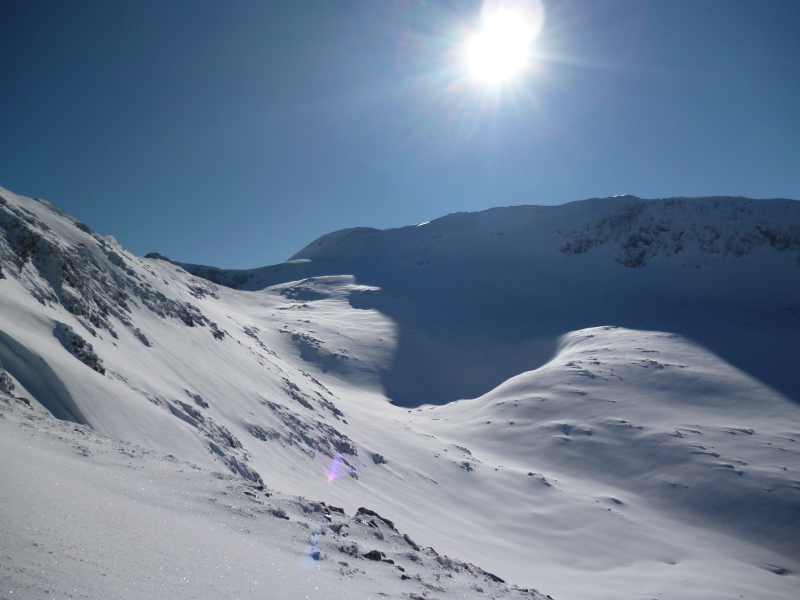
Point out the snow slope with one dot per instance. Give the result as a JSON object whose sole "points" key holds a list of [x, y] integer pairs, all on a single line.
{"points": [[86, 516], [481, 297], [632, 434]]}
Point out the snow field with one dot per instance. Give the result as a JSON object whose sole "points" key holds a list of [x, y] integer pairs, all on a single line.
{"points": [[654, 460]]}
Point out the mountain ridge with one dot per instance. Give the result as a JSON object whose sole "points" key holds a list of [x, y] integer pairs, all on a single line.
{"points": [[766, 230], [639, 260], [610, 448]]}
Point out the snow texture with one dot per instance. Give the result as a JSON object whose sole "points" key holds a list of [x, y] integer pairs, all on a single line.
{"points": [[596, 400]]}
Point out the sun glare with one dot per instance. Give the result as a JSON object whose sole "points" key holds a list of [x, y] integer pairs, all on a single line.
{"points": [[502, 46]]}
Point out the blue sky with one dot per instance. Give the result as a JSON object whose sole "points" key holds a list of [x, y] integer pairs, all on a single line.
{"points": [[233, 133]]}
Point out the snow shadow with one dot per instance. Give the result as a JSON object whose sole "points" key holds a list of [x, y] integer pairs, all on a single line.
{"points": [[38, 378], [460, 338], [449, 349], [470, 323], [481, 297]]}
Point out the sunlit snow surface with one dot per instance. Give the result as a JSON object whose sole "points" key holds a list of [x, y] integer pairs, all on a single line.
{"points": [[86, 516], [623, 462]]}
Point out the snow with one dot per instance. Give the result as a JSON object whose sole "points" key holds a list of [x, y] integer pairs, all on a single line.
{"points": [[632, 429], [645, 425], [515, 278], [85, 516]]}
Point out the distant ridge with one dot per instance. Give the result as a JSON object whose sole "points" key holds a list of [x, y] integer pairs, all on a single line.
{"points": [[529, 273]]}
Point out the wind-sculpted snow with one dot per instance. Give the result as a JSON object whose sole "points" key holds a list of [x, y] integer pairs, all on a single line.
{"points": [[633, 432]]}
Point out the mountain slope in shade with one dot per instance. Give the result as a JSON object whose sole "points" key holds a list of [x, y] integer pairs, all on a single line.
{"points": [[480, 297], [621, 441]]}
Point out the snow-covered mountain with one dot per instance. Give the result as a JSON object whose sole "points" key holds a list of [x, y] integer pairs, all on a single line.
{"points": [[480, 297], [596, 400]]}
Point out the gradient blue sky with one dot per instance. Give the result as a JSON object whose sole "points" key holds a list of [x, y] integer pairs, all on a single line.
{"points": [[235, 132]]}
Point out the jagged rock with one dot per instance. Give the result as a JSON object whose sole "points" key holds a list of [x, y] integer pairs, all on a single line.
{"points": [[198, 399], [115, 259], [373, 555], [493, 577], [280, 513], [236, 464], [263, 433], [411, 542], [84, 227], [351, 549], [319, 437], [646, 229], [79, 347], [76, 276], [142, 337], [372, 513]]}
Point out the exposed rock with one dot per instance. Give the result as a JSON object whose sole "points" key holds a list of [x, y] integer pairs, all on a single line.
{"points": [[93, 283], [315, 437], [351, 549], [78, 347], [645, 229], [84, 227], [6, 385], [493, 577], [372, 513], [264, 433], [411, 542]]}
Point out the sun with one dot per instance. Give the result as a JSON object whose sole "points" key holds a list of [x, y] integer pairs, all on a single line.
{"points": [[502, 47]]}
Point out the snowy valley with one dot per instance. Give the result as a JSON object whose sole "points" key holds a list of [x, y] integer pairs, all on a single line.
{"points": [[597, 400]]}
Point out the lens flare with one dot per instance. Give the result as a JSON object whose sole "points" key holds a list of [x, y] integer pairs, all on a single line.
{"points": [[338, 468], [310, 559]]}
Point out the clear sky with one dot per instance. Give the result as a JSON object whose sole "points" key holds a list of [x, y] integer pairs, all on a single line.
{"points": [[234, 132]]}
